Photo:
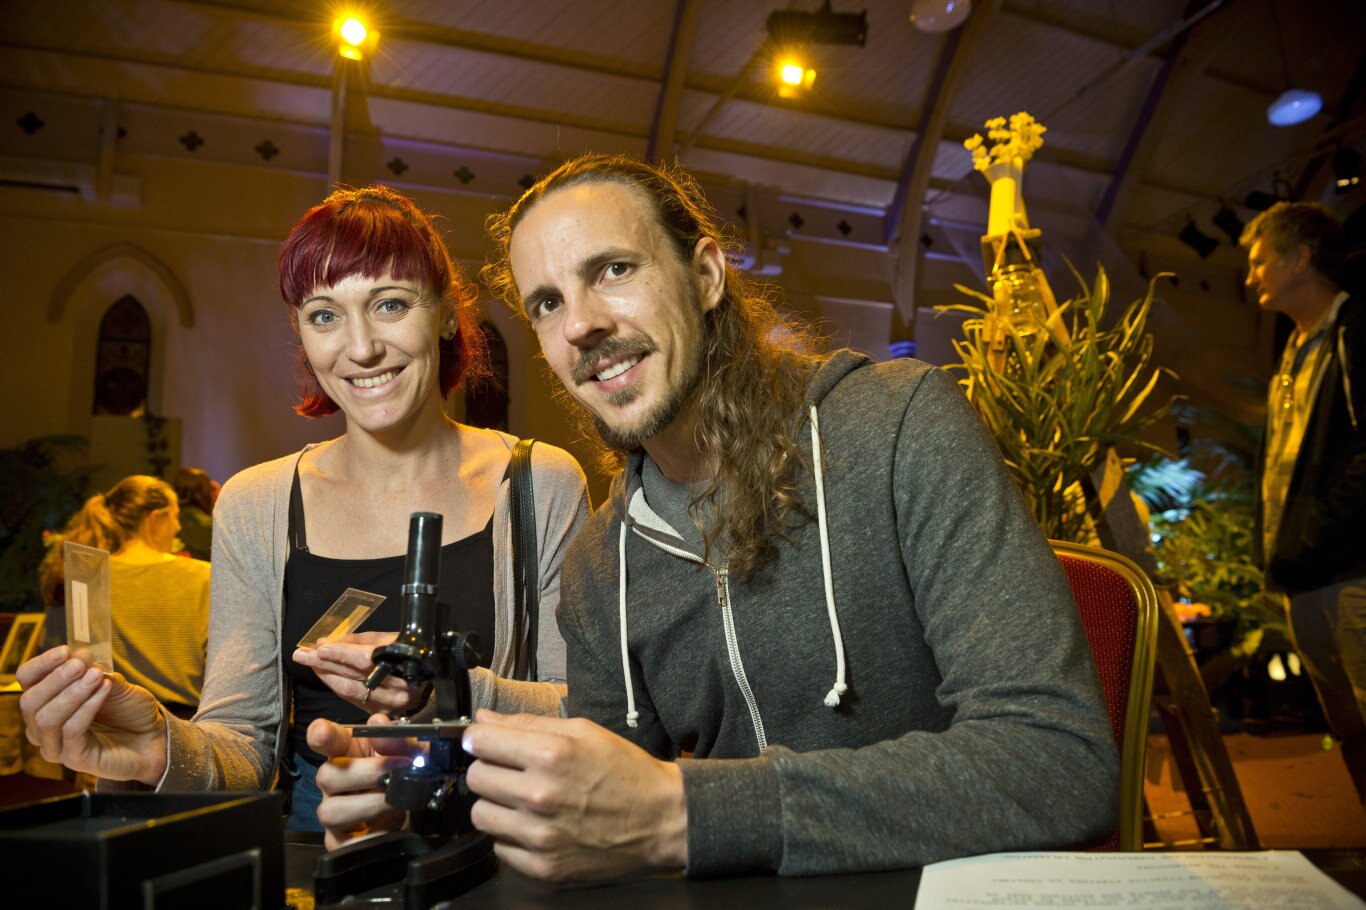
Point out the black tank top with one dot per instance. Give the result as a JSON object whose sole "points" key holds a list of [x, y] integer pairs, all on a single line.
{"points": [[313, 582]]}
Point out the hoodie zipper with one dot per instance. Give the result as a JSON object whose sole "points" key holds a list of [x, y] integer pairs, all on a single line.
{"points": [[737, 667]]}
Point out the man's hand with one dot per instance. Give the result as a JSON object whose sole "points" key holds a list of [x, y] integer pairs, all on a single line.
{"points": [[353, 803], [569, 801], [343, 664], [101, 725]]}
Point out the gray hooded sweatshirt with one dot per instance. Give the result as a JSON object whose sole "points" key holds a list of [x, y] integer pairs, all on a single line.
{"points": [[908, 682]]}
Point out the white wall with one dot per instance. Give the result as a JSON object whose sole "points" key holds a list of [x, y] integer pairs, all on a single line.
{"points": [[225, 353], [229, 376]]}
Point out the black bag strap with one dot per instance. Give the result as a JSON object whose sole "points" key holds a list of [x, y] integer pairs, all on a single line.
{"points": [[525, 562]]}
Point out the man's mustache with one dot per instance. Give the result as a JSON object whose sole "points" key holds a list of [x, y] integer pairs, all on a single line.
{"points": [[587, 366]]}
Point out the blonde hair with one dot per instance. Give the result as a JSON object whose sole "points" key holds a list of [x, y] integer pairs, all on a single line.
{"points": [[107, 521]]}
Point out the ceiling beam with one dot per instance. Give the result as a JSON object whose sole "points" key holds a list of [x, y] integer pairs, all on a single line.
{"points": [[761, 53], [1173, 36], [1129, 41], [665, 119], [1189, 55], [902, 227]]}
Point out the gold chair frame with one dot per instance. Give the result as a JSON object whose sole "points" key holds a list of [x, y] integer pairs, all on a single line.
{"points": [[1133, 753]]}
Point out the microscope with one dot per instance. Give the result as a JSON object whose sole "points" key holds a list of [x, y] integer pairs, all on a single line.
{"points": [[441, 855]]}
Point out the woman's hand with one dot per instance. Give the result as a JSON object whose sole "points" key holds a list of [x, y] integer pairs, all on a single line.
{"points": [[90, 722], [353, 803], [343, 664]]}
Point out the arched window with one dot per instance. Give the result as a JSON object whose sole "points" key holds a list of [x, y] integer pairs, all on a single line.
{"points": [[486, 401], [123, 359]]}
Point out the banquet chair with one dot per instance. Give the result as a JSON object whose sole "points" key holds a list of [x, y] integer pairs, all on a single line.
{"points": [[1118, 607]]}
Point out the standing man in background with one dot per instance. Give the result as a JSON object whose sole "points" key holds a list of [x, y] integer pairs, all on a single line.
{"points": [[1312, 492]]}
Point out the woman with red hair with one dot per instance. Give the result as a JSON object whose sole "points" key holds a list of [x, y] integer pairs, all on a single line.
{"points": [[386, 331]]}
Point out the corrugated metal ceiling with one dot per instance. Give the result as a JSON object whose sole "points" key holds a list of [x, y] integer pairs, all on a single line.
{"points": [[542, 79]]}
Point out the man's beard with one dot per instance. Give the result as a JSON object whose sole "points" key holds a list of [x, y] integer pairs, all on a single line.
{"points": [[678, 394]]}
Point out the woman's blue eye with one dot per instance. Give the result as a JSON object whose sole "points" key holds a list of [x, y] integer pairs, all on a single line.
{"points": [[392, 306], [321, 317]]}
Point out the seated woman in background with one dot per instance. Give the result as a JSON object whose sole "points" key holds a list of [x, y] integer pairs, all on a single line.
{"points": [[197, 493], [387, 330], [159, 603]]}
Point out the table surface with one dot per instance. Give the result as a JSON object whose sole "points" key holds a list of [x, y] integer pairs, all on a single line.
{"points": [[1347, 866]]}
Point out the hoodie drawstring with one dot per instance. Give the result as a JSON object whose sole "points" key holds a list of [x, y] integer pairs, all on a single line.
{"points": [[832, 698], [632, 715]]}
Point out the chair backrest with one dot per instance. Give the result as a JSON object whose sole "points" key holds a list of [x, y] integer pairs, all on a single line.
{"points": [[1118, 608]]}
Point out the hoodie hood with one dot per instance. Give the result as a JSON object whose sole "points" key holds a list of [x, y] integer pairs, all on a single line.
{"points": [[830, 374]]}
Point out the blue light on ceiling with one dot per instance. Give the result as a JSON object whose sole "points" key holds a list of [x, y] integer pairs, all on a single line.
{"points": [[1295, 105]]}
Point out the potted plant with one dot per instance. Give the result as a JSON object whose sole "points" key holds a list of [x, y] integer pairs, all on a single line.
{"points": [[1065, 390], [42, 482]]}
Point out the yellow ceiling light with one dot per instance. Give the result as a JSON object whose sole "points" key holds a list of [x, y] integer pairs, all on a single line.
{"points": [[355, 38], [794, 78]]}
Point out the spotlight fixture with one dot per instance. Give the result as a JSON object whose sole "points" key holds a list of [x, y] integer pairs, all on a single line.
{"points": [[354, 38], [825, 26], [1227, 220], [1197, 239], [1346, 170]]}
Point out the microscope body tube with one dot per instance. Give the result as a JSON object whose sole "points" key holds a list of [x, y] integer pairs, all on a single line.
{"points": [[421, 580], [413, 654]]}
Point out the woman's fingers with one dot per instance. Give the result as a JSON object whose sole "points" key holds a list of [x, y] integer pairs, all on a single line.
{"points": [[34, 670], [67, 716], [75, 746]]}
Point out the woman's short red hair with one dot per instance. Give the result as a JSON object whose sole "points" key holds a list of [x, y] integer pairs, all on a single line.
{"points": [[374, 232]]}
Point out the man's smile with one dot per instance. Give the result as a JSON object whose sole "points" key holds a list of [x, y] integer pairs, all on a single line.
{"points": [[611, 359], [618, 368]]}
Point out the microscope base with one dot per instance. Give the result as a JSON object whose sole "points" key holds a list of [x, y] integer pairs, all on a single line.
{"points": [[402, 865]]}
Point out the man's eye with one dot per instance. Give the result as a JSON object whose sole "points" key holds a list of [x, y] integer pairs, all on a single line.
{"points": [[618, 269], [544, 307]]}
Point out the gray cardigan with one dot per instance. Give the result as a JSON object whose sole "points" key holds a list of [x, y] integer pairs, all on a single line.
{"points": [[234, 741], [966, 715]]}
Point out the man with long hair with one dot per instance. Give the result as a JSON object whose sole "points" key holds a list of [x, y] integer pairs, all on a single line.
{"points": [[814, 629]]}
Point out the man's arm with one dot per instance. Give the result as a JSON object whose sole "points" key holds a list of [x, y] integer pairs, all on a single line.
{"points": [[1028, 760]]}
